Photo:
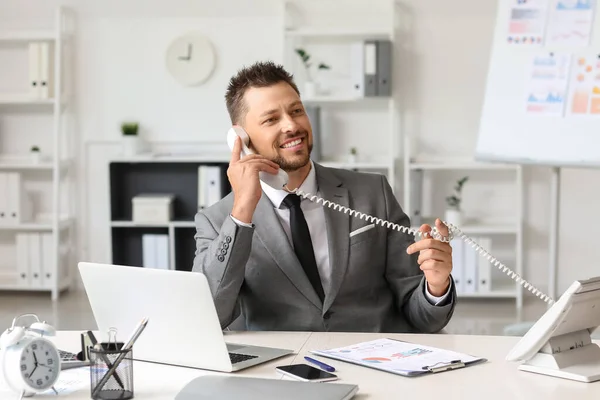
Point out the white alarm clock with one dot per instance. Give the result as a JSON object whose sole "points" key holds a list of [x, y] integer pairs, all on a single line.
{"points": [[29, 363]]}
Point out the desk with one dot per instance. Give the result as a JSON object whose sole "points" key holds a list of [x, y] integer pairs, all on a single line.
{"points": [[496, 379]]}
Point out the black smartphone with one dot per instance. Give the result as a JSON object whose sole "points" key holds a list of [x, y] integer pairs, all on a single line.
{"points": [[305, 372]]}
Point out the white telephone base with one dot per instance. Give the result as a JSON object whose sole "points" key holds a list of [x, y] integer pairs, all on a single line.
{"points": [[578, 364]]}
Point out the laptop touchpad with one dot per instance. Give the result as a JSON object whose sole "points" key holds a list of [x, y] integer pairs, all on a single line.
{"points": [[234, 347]]}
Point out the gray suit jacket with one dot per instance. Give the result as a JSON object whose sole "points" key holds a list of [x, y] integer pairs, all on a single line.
{"points": [[375, 285]]}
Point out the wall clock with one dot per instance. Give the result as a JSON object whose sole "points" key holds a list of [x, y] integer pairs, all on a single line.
{"points": [[191, 59]]}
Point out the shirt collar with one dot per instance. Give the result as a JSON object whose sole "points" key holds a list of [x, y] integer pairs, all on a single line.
{"points": [[277, 195]]}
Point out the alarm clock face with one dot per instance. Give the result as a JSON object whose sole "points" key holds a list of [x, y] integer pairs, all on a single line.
{"points": [[39, 364]]}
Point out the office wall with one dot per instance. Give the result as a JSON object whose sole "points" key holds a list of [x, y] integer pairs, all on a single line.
{"points": [[121, 75]]}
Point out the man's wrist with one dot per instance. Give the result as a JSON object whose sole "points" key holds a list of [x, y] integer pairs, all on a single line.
{"points": [[438, 291], [242, 214], [240, 223]]}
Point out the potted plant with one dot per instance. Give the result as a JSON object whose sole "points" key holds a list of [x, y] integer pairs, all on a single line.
{"points": [[36, 155], [454, 210], [311, 88], [353, 154], [131, 140]]}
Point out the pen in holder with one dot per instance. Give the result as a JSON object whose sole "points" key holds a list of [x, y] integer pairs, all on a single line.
{"points": [[111, 371]]}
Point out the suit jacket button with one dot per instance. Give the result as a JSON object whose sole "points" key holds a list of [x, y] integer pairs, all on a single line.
{"points": [[225, 246], [228, 239], [221, 258], [327, 315]]}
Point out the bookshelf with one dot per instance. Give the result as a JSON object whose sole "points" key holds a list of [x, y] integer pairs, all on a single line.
{"points": [[38, 245], [129, 177], [504, 229], [333, 46]]}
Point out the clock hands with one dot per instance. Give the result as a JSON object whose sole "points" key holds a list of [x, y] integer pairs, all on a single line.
{"points": [[189, 54], [35, 360]]}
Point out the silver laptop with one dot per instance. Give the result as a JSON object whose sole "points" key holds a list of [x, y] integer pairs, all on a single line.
{"points": [[183, 327]]}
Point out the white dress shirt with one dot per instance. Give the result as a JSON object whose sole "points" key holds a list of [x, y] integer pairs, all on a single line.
{"points": [[315, 219]]}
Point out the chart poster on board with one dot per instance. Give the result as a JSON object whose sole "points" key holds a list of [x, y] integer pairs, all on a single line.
{"points": [[547, 84], [570, 23], [527, 22], [584, 96]]}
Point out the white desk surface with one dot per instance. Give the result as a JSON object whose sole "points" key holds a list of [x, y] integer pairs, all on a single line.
{"points": [[496, 379]]}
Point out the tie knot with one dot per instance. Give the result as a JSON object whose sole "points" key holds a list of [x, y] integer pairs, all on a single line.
{"points": [[292, 201]]}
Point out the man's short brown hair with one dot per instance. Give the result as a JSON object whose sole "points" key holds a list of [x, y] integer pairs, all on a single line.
{"points": [[259, 74]]}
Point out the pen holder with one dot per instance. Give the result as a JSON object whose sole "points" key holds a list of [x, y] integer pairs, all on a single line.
{"points": [[111, 372]]}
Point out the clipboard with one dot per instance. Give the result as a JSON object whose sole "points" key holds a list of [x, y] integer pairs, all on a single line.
{"points": [[400, 357]]}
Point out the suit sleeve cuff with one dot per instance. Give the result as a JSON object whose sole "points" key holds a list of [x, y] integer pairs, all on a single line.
{"points": [[240, 223], [435, 300]]}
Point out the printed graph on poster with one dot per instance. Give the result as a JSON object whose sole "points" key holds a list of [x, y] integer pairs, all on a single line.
{"points": [[585, 87], [527, 22]]}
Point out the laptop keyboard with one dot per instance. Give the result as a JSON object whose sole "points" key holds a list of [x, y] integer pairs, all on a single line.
{"points": [[236, 358], [67, 356]]}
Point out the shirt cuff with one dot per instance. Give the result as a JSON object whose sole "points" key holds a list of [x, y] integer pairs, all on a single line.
{"points": [[237, 221], [434, 299]]}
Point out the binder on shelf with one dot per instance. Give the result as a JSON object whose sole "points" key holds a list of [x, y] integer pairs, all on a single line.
{"points": [[22, 245], [35, 260], [209, 186], [357, 69], [484, 268], [470, 264], [148, 251], [34, 69], [370, 68], [458, 268], [4, 193], [384, 68], [213, 185], [162, 251], [155, 251], [48, 260], [46, 70], [18, 204]]}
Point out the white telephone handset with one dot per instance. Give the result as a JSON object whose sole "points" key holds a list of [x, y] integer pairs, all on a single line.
{"points": [[276, 181], [280, 181]]}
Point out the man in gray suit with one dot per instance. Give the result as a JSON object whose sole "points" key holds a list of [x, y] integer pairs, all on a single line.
{"points": [[287, 263]]}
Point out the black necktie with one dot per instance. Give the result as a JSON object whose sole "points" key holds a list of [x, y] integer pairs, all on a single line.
{"points": [[302, 243]]}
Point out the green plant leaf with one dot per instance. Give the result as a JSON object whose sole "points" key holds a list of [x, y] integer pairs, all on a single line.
{"points": [[129, 128]]}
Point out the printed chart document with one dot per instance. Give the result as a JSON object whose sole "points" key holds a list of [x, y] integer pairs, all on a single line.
{"points": [[547, 84], [398, 357], [527, 22], [585, 87], [570, 23]]}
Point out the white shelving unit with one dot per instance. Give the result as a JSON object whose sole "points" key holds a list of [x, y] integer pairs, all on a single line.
{"points": [[506, 289], [299, 36], [39, 252]]}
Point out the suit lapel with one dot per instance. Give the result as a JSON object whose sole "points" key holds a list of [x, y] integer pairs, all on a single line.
{"points": [[338, 231], [273, 236]]}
